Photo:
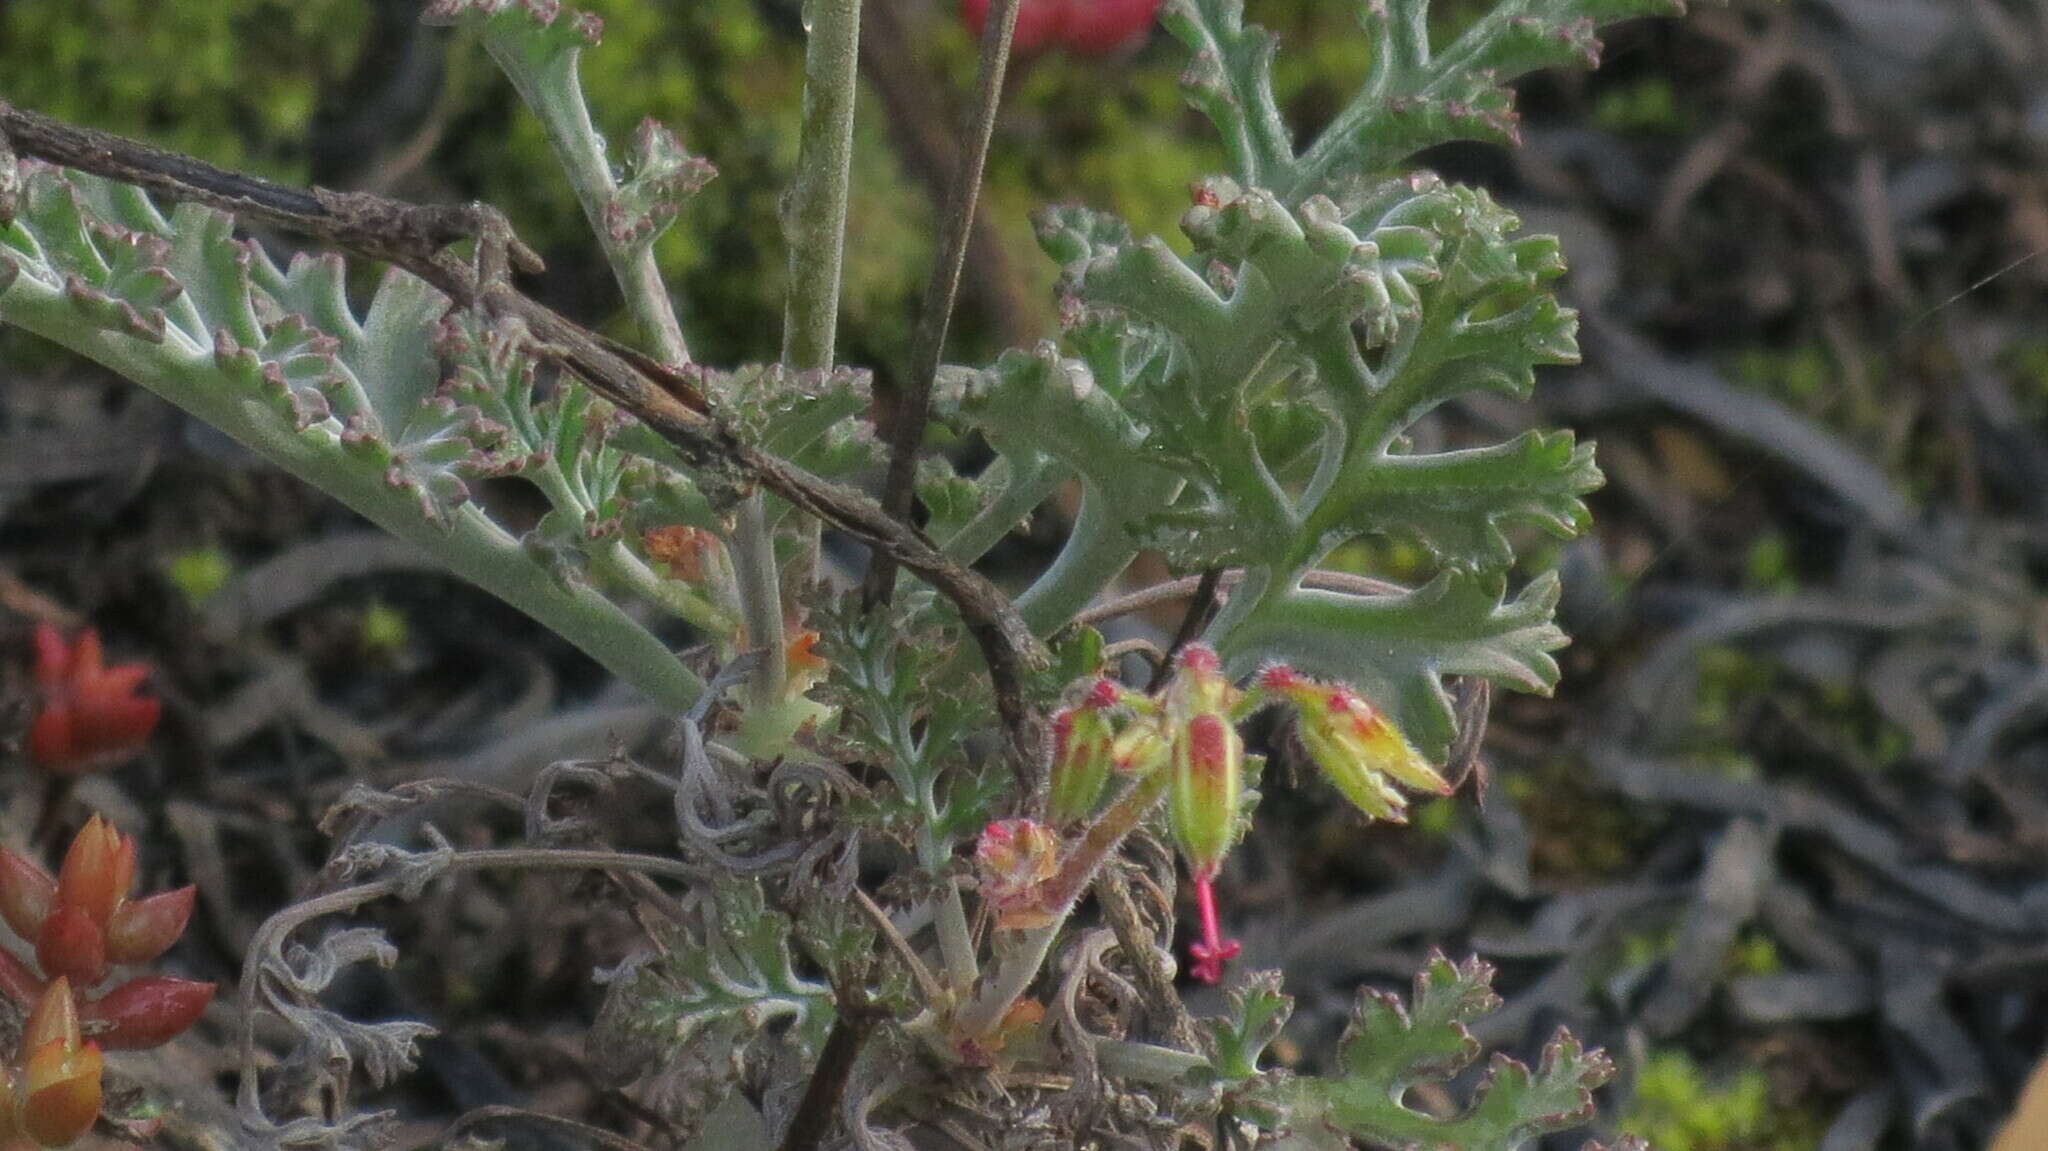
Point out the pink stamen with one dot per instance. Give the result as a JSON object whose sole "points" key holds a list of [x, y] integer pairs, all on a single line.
{"points": [[1213, 950]]}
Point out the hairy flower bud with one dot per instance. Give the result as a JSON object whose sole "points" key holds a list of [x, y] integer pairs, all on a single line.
{"points": [[1355, 745], [1083, 748], [1205, 790], [1206, 760], [1016, 857]]}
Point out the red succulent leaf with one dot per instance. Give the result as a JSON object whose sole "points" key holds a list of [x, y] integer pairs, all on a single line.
{"points": [[17, 982], [142, 929], [73, 947], [26, 894], [145, 1012]]}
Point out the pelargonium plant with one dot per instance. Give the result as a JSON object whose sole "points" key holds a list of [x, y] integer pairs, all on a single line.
{"points": [[1243, 404]]}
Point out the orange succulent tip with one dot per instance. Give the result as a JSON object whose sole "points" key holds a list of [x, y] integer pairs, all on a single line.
{"points": [[54, 1020], [27, 893], [1200, 657], [145, 1012], [90, 716], [61, 1092], [98, 870]]}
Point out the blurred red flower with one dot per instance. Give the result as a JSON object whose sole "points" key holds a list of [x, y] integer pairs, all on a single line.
{"points": [[91, 717], [1082, 27]]}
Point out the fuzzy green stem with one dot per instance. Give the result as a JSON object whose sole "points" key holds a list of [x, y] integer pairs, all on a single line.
{"points": [[1145, 1062], [753, 558], [815, 227], [551, 88]]}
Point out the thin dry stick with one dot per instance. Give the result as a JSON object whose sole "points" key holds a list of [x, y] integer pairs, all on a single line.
{"points": [[911, 408], [927, 983], [415, 237], [584, 1132], [1191, 624], [1154, 971], [820, 1104]]}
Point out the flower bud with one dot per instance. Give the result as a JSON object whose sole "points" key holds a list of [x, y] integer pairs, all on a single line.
{"points": [[1355, 745], [1205, 790], [805, 667], [1016, 857], [1083, 748], [1140, 748]]}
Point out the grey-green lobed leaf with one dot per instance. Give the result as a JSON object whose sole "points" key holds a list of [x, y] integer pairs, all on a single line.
{"points": [[1252, 402], [1390, 1047]]}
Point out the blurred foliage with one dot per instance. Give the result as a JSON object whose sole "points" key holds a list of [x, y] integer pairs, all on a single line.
{"points": [[199, 573], [236, 81], [352, 93], [1678, 1107]]}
